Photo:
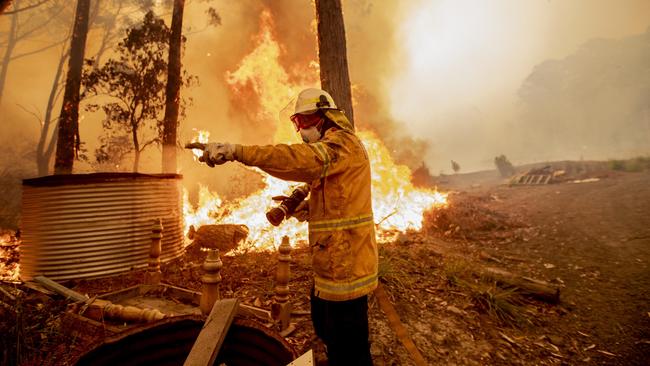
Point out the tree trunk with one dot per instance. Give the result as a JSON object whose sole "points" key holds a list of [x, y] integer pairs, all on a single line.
{"points": [[332, 54], [109, 32], [172, 91], [68, 136], [43, 155], [136, 161], [136, 146], [11, 43]]}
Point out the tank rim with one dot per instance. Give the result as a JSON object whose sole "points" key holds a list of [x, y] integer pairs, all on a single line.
{"points": [[93, 178]]}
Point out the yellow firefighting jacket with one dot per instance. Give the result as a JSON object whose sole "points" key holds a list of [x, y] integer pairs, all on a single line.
{"points": [[341, 225]]}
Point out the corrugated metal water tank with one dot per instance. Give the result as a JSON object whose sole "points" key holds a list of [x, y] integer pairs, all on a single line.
{"points": [[95, 225]]}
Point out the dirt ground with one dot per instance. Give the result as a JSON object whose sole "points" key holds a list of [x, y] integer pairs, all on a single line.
{"points": [[594, 238], [591, 240]]}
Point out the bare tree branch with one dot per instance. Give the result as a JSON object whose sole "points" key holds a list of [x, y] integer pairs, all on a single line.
{"points": [[25, 8], [148, 143], [38, 50], [39, 26], [38, 118]]}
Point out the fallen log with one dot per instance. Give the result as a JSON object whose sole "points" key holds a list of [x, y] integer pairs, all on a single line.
{"points": [[537, 289], [488, 257]]}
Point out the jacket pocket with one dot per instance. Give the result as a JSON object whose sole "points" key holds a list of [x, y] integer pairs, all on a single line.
{"points": [[331, 256], [334, 193], [320, 256]]}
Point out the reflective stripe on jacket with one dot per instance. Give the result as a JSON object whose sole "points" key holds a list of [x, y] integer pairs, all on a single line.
{"points": [[341, 226]]}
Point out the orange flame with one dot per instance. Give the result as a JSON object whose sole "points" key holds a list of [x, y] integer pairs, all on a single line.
{"points": [[202, 137], [261, 70], [8, 245], [398, 206], [250, 211]]}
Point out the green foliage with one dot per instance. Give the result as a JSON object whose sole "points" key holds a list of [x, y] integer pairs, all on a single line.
{"points": [[504, 166], [134, 83], [110, 154], [637, 164], [455, 166]]}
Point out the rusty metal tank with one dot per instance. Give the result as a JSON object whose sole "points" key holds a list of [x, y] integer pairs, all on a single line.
{"points": [[168, 343], [96, 225]]}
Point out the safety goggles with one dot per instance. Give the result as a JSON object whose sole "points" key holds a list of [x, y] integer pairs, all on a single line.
{"points": [[301, 121]]}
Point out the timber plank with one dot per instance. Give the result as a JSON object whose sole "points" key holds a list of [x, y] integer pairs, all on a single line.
{"points": [[207, 344]]}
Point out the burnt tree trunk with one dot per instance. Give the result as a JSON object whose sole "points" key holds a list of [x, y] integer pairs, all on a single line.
{"points": [[68, 136], [332, 54], [172, 91]]}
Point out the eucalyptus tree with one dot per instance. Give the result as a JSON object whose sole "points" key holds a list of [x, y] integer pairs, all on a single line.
{"points": [[131, 87]]}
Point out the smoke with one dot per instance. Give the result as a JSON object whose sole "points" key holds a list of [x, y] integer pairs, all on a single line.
{"points": [[436, 80], [464, 63], [371, 64], [374, 58]]}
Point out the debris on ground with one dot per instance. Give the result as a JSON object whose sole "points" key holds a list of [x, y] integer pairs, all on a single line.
{"points": [[452, 307]]}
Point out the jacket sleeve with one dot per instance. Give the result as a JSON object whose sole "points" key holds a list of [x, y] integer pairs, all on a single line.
{"points": [[299, 162]]}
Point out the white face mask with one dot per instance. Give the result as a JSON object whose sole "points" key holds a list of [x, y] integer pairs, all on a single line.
{"points": [[310, 134]]}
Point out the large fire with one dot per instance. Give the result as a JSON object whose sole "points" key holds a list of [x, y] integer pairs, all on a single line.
{"points": [[398, 206]]}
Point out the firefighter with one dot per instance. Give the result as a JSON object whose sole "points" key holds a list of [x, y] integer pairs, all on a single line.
{"points": [[335, 165]]}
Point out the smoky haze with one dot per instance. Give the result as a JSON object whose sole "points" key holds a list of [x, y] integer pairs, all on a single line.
{"points": [[467, 65], [437, 80]]}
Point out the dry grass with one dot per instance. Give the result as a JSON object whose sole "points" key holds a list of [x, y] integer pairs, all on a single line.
{"points": [[502, 305], [393, 270]]}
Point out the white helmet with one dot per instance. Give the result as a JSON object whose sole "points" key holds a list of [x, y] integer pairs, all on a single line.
{"points": [[312, 99]]}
